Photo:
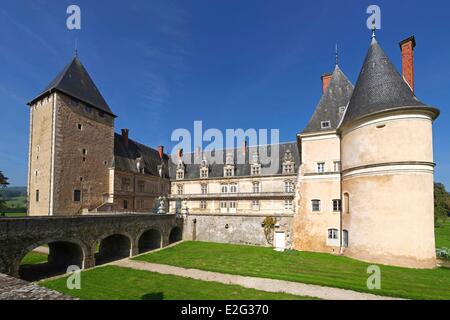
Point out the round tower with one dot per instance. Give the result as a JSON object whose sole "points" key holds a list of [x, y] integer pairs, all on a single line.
{"points": [[387, 169]]}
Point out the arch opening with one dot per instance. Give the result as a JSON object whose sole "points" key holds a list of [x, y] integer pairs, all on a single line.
{"points": [[150, 240], [113, 247], [50, 259], [175, 235]]}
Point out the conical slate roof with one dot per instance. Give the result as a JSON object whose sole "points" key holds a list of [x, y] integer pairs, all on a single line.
{"points": [[75, 82], [379, 88], [336, 95]]}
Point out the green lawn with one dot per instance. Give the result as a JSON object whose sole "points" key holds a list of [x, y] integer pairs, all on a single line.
{"points": [[15, 214], [443, 235], [34, 258], [306, 267], [117, 283]]}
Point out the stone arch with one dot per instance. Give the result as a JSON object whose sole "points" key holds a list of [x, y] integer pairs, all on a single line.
{"points": [[63, 252], [113, 246], [149, 239], [175, 235]]}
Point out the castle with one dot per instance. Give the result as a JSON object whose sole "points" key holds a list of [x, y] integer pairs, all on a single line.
{"points": [[357, 181]]}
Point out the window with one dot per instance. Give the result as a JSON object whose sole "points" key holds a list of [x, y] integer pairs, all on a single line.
{"points": [[255, 204], [347, 203], [141, 186], [256, 170], [333, 234], [325, 124], [203, 204], [180, 174], [342, 109], [84, 151], [223, 204], [229, 172], [80, 126], [336, 205], [204, 188], [233, 188], [337, 166], [224, 188], [315, 205], [345, 238], [288, 186], [256, 188], [101, 114], [204, 173], [76, 195], [36, 173], [232, 204], [180, 189], [288, 205], [125, 204], [288, 168], [37, 195], [321, 167], [126, 184], [87, 109]]}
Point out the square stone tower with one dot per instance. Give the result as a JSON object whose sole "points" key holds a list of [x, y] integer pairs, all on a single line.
{"points": [[71, 145]]}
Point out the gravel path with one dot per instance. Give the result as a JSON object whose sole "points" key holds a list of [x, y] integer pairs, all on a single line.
{"points": [[263, 284], [43, 250]]}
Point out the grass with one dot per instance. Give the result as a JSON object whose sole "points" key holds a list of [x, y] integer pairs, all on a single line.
{"points": [[117, 283], [443, 235], [15, 214], [307, 267], [16, 202], [34, 258]]}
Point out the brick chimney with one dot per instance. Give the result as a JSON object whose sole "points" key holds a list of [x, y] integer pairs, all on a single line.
{"points": [[180, 153], [161, 151], [125, 136], [325, 81], [407, 47]]}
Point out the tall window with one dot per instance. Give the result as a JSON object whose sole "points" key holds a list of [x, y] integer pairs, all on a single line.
{"points": [[204, 173], [180, 189], [337, 166], [223, 204], [256, 187], [315, 205], [233, 188], [336, 205], [288, 186], [345, 238], [288, 168], [320, 167], [224, 188], [256, 170], [180, 174], [204, 188], [126, 184], [255, 204], [141, 186], [347, 203], [77, 195], [125, 204], [203, 204], [232, 204], [37, 195]]}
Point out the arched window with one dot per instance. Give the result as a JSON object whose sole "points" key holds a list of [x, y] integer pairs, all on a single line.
{"points": [[346, 203]]}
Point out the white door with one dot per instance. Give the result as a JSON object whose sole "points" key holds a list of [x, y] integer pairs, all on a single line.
{"points": [[280, 241]]}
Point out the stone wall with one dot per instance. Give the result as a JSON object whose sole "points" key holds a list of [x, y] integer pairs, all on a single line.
{"points": [[237, 228]]}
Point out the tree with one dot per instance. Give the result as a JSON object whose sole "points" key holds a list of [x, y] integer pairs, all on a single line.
{"points": [[3, 183], [441, 203]]}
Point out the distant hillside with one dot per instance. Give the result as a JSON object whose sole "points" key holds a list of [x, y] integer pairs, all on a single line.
{"points": [[13, 192]]}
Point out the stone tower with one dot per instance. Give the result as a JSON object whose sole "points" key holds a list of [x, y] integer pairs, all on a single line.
{"points": [[387, 168], [317, 221], [71, 145]]}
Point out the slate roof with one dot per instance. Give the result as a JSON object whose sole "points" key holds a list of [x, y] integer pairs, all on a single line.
{"points": [[336, 95], [75, 82], [380, 87], [193, 161], [126, 158]]}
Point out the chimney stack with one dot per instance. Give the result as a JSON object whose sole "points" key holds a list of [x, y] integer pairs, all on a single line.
{"points": [[161, 151], [407, 47], [180, 153], [125, 136], [325, 81]]}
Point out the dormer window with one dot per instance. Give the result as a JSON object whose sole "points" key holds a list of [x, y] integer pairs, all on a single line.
{"points": [[180, 170], [204, 170], [288, 163], [140, 165], [342, 109], [256, 169], [325, 124], [228, 170]]}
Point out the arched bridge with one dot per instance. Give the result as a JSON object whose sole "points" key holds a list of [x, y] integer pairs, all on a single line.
{"points": [[86, 240]]}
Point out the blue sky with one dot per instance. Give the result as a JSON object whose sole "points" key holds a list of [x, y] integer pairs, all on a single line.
{"points": [[232, 64]]}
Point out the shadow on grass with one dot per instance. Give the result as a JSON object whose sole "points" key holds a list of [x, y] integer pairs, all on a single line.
{"points": [[153, 296]]}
